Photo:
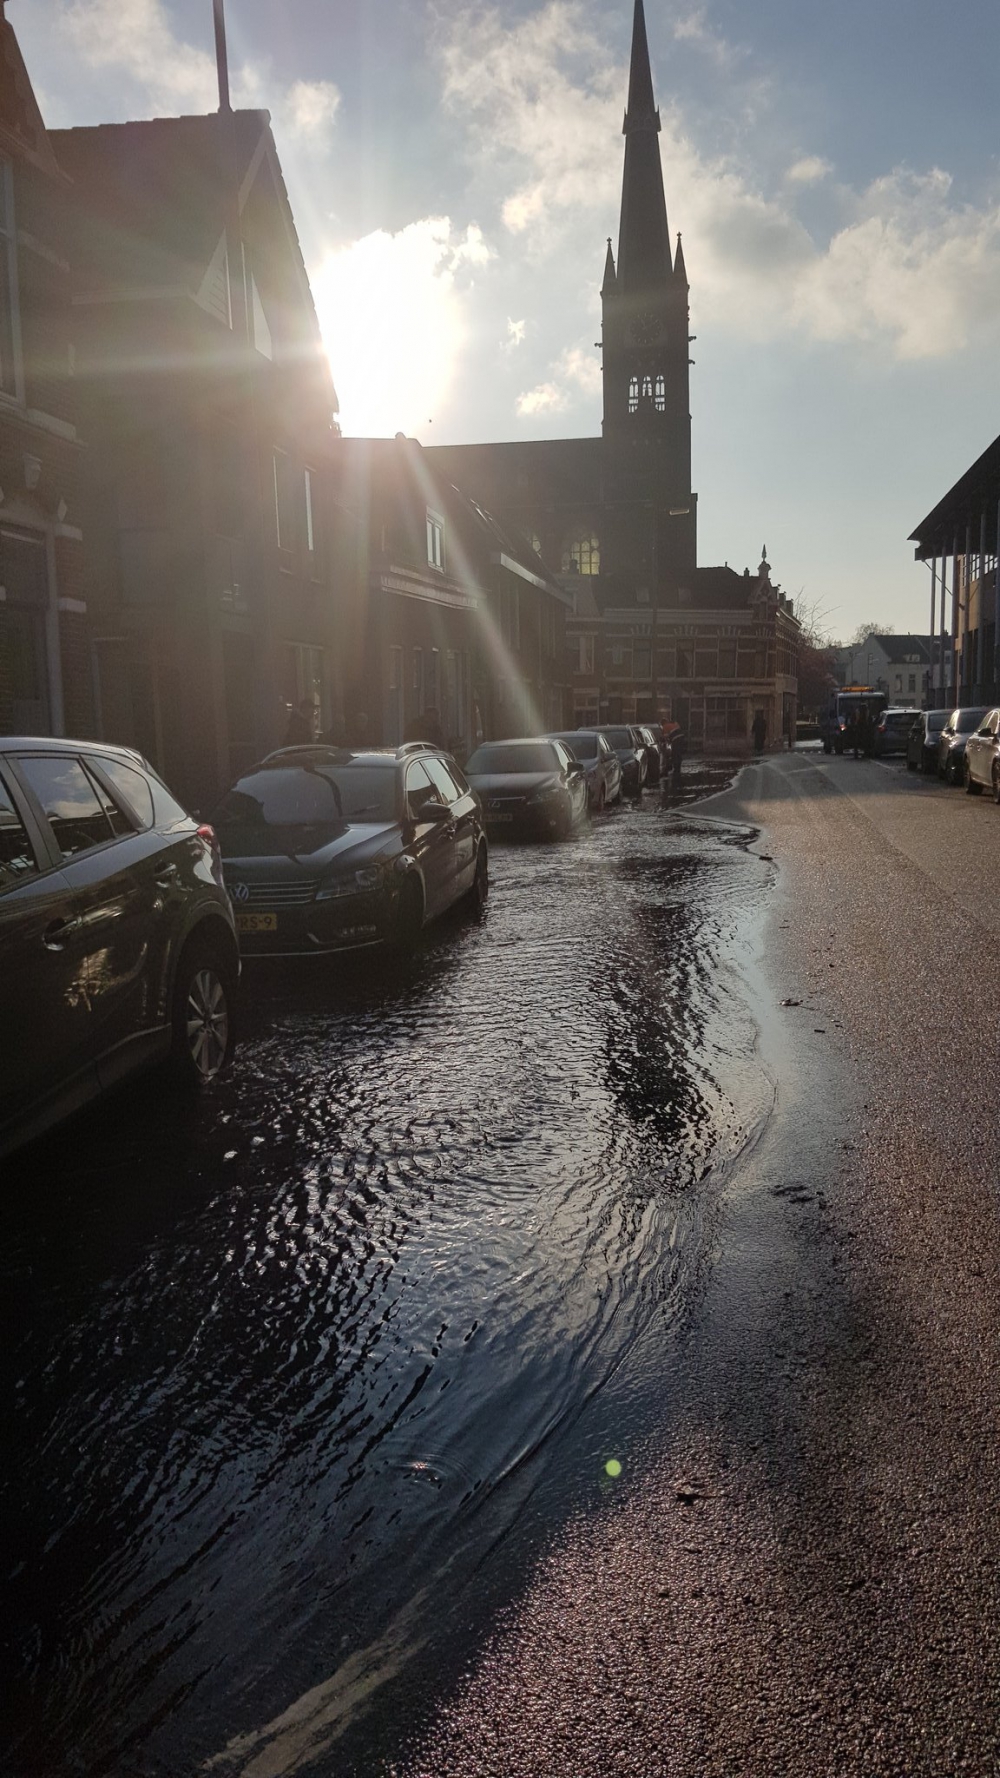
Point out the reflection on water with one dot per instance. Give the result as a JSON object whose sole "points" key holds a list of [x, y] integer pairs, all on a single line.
{"points": [[288, 1364]]}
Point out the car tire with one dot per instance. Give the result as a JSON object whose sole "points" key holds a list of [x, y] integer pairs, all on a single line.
{"points": [[409, 920], [480, 890], [203, 1033], [971, 787]]}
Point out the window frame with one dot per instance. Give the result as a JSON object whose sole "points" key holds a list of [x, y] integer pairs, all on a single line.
{"points": [[61, 860], [8, 244], [435, 541]]}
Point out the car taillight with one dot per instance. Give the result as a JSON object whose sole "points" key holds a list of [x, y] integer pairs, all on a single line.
{"points": [[210, 840]]}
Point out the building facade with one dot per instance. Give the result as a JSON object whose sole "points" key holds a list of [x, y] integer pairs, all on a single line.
{"points": [[614, 518], [45, 679], [209, 409], [452, 624], [960, 542]]}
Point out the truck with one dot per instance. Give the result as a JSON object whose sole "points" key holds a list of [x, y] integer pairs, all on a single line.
{"points": [[866, 700]]}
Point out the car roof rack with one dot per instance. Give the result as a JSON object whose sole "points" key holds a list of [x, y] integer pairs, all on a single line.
{"points": [[407, 747]]}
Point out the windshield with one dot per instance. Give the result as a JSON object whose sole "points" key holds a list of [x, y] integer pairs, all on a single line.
{"points": [[620, 737], [899, 718], [309, 796], [581, 746], [967, 720], [517, 756]]}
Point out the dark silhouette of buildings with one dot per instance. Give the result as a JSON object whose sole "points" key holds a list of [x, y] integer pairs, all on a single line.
{"points": [[615, 517]]}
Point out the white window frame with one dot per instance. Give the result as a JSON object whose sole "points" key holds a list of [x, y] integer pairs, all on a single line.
{"points": [[435, 540], [307, 477]]}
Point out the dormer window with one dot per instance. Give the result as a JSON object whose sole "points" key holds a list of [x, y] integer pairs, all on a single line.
{"points": [[581, 554], [435, 540]]}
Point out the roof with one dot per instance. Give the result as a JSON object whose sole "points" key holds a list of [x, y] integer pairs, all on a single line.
{"points": [[975, 494], [22, 131], [900, 648]]}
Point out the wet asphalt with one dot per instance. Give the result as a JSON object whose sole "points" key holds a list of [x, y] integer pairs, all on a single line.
{"points": [[574, 1354]]}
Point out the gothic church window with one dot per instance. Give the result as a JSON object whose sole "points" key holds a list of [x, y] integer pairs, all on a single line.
{"points": [[647, 391], [581, 554], [633, 394], [661, 394]]}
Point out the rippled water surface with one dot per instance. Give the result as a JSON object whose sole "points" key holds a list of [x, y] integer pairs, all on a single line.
{"points": [[286, 1369]]}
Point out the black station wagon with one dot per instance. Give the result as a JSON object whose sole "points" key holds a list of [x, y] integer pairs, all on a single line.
{"points": [[325, 849], [117, 943]]}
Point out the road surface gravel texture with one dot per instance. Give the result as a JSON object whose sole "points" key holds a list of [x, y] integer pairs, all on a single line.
{"points": [[801, 1576], [575, 1354]]}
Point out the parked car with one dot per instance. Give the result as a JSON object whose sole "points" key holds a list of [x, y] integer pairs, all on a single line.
{"points": [[326, 849], [529, 786], [600, 764], [960, 725], [892, 731], [654, 757], [981, 766], [922, 740], [631, 756], [117, 941]]}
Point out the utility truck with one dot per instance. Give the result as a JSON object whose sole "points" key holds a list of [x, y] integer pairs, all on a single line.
{"points": [[844, 703]]}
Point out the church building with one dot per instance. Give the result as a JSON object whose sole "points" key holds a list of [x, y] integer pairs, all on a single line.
{"points": [[615, 517]]}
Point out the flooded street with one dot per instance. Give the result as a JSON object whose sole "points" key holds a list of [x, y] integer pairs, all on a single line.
{"points": [[298, 1380]]}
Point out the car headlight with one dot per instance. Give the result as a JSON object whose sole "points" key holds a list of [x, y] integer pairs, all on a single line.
{"points": [[358, 882]]}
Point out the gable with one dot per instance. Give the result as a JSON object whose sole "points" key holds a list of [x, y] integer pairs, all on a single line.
{"points": [[22, 131]]}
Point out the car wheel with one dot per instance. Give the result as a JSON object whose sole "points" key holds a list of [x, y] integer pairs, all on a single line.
{"points": [[203, 1032], [971, 787], [409, 915], [481, 881]]}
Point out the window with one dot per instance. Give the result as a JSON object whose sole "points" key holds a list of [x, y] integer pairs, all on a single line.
{"points": [[441, 778], [633, 395], [419, 790], [581, 554], [310, 521], [912, 682], [642, 666], [10, 341], [69, 803], [132, 787], [660, 398], [17, 859], [587, 654], [284, 501], [435, 539], [418, 678], [647, 391]]}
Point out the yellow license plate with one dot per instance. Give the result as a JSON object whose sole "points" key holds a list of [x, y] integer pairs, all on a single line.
{"points": [[256, 922]]}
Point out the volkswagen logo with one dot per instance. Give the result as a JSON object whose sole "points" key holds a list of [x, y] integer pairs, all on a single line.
{"points": [[240, 891]]}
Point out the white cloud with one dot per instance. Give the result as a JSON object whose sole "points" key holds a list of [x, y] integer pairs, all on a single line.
{"points": [[575, 373], [136, 38], [693, 28], [809, 170], [907, 267], [394, 314], [516, 331]]}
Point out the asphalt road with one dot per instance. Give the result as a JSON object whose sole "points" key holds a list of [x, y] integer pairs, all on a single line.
{"points": [[800, 1575], [576, 1354]]}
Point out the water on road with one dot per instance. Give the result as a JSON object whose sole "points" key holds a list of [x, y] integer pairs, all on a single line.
{"points": [[287, 1371]]}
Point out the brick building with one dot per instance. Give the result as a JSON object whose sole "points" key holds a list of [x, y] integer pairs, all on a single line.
{"points": [[45, 681], [208, 407], [451, 615]]}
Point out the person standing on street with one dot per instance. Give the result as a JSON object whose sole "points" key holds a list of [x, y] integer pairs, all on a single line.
{"points": [[758, 729], [301, 725]]}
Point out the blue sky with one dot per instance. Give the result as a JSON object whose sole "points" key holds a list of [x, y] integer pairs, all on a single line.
{"points": [[455, 169]]}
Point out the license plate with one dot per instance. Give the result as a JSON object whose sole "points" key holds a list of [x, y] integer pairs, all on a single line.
{"points": [[256, 922], [501, 817]]}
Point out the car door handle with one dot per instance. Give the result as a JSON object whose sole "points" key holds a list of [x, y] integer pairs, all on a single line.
{"points": [[57, 932]]}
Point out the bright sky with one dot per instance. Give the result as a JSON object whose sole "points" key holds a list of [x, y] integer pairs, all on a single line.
{"points": [[455, 169]]}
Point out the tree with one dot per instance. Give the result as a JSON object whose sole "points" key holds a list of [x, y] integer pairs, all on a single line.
{"points": [[865, 630]]}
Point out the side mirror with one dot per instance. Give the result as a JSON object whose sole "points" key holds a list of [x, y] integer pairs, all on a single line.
{"points": [[434, 811]]}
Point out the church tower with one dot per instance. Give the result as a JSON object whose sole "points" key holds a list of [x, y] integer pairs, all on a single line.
{"points": [[647, 419]]}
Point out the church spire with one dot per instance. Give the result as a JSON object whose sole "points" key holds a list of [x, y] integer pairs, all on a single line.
{"points": [[644, 262], [610, 275]]}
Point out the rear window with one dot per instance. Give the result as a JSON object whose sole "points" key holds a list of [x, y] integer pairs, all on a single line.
{"points": [[581, 746], [970, 719], [532, 756], [131, 786], [309, 796], [620, 737]]}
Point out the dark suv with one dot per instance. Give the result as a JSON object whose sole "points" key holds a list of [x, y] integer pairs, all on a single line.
{"points": [[326, 849], [117, 942]]}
